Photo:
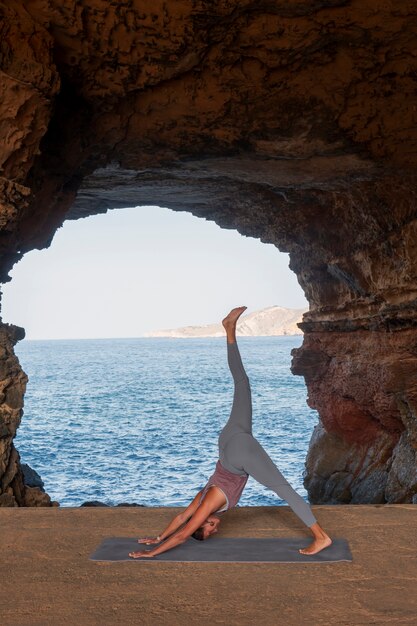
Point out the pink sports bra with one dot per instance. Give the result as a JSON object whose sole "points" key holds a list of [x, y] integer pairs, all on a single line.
{"points": [[231, 484]]}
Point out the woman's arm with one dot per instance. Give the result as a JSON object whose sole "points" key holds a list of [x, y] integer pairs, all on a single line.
{"points": [[211, 503], [178, 520], [182, 535]]}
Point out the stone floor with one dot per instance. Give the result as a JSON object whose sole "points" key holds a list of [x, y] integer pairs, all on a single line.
{"points": [[47, 578]]}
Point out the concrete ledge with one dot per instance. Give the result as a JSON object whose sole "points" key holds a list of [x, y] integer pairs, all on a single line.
{"points": [[47, 579]]}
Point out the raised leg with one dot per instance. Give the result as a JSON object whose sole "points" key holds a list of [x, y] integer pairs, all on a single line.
{"points": [[240, 419]]}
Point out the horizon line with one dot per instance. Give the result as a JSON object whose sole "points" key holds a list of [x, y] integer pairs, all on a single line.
{"points": [[146, 337]]}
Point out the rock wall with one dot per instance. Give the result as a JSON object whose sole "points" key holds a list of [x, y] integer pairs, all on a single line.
{"points": [[291, 121], [363, 383], [13, 489]]}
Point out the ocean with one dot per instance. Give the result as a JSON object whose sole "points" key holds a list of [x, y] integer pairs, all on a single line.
{"points": [[137, 420]]}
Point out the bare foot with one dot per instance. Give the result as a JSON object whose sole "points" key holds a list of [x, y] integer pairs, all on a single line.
{"points": [[231, 319], [317, 545]]}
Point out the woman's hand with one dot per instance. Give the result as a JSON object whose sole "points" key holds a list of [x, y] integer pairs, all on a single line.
{"points": [[146, 553], [149, 540]]}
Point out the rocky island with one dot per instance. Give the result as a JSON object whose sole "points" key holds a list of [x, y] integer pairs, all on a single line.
{"points": [[269, 322]]}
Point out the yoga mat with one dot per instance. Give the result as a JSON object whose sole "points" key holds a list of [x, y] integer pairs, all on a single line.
{"points": [[226, 550]]}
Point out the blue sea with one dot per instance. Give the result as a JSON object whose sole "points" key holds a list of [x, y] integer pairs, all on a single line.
{"points": [[137, 420]]}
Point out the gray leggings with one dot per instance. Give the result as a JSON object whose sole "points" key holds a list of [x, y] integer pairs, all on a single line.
{"points": [[241, 453]]}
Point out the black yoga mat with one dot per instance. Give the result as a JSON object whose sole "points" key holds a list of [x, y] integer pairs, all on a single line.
{"points": [[226, 550]]}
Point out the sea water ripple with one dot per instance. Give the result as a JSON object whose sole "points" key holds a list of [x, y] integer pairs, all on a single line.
{"points": [[137, 420]]}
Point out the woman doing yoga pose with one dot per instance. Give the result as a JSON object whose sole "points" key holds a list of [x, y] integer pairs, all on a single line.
{"points": [[240, 456]]}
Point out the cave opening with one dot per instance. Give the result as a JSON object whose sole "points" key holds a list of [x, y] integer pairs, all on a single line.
{"points": [[96, 386]]}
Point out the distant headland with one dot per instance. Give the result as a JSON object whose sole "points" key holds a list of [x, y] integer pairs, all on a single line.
{"points": [[269, 322]]}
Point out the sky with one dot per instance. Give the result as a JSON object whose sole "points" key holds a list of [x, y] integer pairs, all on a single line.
{"points": [[130, 271]]}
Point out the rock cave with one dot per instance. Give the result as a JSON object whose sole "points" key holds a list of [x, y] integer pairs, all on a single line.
{"points": [[292, 121]]}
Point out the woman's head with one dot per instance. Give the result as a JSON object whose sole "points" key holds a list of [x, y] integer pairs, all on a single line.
{"points": [[209, 527]]}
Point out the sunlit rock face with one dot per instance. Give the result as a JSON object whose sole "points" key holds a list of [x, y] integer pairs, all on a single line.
{"points": [[364, 385], [293, 122]]}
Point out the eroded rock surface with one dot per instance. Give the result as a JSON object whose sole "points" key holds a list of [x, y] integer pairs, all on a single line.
{"points": [[290, 121], [364, 385]]}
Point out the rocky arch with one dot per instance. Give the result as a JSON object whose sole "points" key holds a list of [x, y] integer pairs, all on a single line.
{"points": [[291, 121]]}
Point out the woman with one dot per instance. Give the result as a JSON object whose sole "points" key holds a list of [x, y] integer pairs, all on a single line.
{"points": [[240, 456]]}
